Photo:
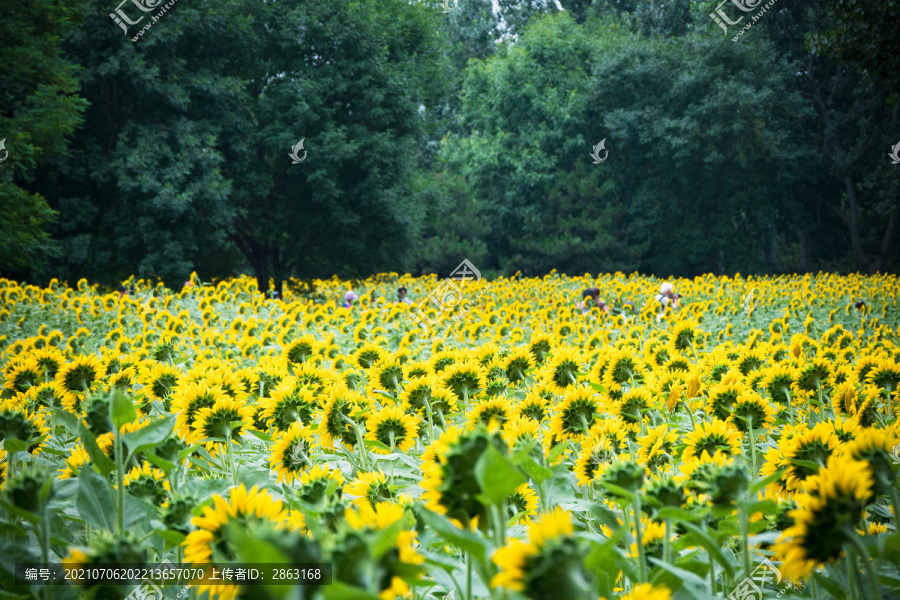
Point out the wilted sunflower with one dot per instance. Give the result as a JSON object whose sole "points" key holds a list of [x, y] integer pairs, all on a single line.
{"points": [[291, 452], [826, 517]]}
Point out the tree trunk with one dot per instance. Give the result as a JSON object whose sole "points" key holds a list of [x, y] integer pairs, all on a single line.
{"points": [[861, 259]]}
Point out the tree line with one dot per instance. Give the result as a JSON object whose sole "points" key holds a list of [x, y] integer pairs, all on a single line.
{"points": [[437, 131]]}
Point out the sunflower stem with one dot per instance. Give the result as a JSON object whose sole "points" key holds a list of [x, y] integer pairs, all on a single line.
{"points": [[667, 546], [787, 394], [120, 481], [752, 450], [890, 405], [869, 567], [637, 530], [430, 421], [468, 576], [230, 452], [391, 436], [745, 535]]}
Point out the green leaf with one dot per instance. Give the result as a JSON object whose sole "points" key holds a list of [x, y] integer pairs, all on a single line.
{"points": [[148, 437], [67, 418], [465, 540], [497, 476], [162, 463], [682, 574], [341, 591], [711, 547], [95, 503], [761, 483], [121, 409], [98, 458], [557, 451], [14, 445], [537, 472]]}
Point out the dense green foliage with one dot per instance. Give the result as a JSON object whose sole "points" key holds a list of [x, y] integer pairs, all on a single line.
{"points": [[434, 136]]}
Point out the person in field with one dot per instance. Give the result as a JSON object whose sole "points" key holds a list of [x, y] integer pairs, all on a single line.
{"points": [[590, 298], [349, 297], [402, 297]]}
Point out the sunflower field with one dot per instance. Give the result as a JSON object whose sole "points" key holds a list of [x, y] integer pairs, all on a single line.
{"points": [[743, 446]]}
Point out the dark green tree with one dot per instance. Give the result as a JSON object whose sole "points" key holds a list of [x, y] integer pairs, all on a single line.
{"points": [[39, 108]]}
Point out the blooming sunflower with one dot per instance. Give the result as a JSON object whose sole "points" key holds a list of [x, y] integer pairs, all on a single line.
{"points": [[595, 454], [370, 487], [548, 565], [711, 437], [722, 398], [341, 417], [464, 379], [291, 452], [218, 421], [187, 402], [355, 543], [562, 369], [576, 414], [290, 402], [752, 409], [241, 507], [393, 428], [75, 378], [498, 410], [517, 363], [826, 516]]}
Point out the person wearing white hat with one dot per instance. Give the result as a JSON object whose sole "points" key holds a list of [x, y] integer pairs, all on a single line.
{"points": [[667, 294], [349, 297]]}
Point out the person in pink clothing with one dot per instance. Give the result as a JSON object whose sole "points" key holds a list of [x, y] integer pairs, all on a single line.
{"points": [[349, 297]]}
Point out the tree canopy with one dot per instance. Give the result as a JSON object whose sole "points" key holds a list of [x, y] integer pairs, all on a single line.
{"points": [[432, 136]]}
